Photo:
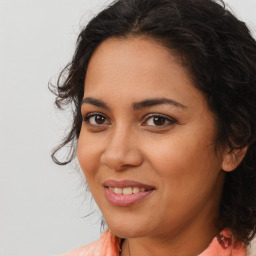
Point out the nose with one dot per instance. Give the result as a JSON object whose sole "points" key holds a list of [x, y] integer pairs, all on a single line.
{"points": [[122, 150]]}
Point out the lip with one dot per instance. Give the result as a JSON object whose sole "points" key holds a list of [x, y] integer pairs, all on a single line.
{"points": [[126, 200], [126, 183]]}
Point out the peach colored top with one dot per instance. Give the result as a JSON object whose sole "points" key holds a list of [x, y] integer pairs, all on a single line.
{"points": [[109, 245]]}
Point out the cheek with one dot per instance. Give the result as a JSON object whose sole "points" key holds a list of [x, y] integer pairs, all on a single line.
{"points": [[188, 175], [184, 161], [87, 152], [89, 160], [177, 153]]}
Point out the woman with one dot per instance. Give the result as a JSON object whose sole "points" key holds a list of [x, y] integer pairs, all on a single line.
{"points": [[164, 115]]}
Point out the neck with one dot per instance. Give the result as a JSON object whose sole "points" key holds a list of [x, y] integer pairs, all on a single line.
{"points": [[193, 239], [189, 245]]}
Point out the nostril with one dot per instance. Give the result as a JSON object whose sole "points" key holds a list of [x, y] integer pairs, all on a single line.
{"points": [[118, 159]]}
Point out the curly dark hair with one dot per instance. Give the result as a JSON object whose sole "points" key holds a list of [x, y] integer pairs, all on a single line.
{"points": [[219, 53]]}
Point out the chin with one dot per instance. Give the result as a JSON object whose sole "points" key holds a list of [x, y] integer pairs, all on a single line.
{"points": [[124, 229]]}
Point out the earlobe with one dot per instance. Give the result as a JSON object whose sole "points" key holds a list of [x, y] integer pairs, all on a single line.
{"points": [[232, 159]]}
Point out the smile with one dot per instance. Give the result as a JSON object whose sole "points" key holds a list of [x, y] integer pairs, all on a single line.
{"points": [[126, 192]]}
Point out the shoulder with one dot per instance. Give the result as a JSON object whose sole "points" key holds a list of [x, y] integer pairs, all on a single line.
{"points": [[107, 245], [224, 245]]}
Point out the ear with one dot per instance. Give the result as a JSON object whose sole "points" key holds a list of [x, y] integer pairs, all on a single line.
{"points": [[232, 159]]}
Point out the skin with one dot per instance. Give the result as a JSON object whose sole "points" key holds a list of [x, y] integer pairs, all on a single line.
{"points": [[178, 158]]}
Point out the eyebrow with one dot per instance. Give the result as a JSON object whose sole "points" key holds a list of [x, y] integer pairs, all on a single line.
{"points": [[95, 102], [156, 101], [136, 105]]}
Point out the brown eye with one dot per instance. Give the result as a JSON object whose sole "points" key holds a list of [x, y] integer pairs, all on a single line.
{"points": [[95, 119], [99, 119], [158, 120]]}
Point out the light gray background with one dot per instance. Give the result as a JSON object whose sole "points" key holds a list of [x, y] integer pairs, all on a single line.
{"points": [[42, 205]]}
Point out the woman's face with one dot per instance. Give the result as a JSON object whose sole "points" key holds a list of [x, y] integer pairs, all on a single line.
{"points": [[147, 143]]}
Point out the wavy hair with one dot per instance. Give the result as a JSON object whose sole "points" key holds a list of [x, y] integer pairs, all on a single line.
{"points": [[219, 53]]}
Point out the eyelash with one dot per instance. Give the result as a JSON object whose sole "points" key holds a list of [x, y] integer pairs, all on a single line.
{"points": [[165, 118], [87, 118]]}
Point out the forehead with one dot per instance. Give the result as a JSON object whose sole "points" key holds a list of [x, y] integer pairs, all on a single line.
{"points": [[135, 68]]}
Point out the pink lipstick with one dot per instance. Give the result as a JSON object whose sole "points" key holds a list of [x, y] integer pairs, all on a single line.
{"points": [[126, 192]]}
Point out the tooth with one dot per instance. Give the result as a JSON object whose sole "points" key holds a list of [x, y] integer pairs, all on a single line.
{"points": [[142, 189], [118, 191], [112, 189], [127, 191], [135, 190]]}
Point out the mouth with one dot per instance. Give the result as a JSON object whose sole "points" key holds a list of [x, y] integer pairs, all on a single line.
{"points": [[126, 192]]}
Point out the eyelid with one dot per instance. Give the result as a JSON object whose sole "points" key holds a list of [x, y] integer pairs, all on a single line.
{"points": [[168, 118], [86, 117], [171, 121]]}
